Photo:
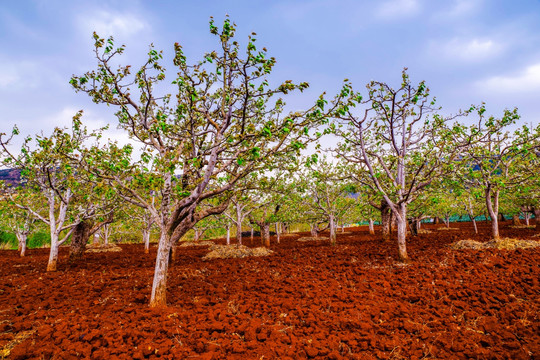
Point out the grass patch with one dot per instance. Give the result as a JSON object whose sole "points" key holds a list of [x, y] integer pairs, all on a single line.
{"points": [[501, 244], [39, 239], [235, 252], [523, 226], [447, 228]]}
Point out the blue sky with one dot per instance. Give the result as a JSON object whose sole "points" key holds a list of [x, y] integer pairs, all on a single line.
{"points": [[468, 51]]}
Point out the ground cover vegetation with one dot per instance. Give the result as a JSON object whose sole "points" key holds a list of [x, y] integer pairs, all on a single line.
{"points": [[219, 156]]}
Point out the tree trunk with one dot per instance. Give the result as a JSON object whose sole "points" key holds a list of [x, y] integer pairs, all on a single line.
{"points": [[414, 225], [473, 219], [515, 220], [23, 247], [447, 221], [159, 285], [53, 253], [79, 238], [386, 219], [228, 235], [394, 222], [96, 239], [493, 209], [22, 238], [537, 218], [239, 233], [315, 230], [252, 235], [277, 233], [527, 217], [105, 232], [332, 225], [265, 234], [371, 227], [401, 219], [146, 240]]}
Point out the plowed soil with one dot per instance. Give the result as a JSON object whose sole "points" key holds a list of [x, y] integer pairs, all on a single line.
{"points": [[307, 300]]}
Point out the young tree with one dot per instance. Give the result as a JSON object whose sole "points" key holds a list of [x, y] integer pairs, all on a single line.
{"points": [[143, 221], [18, 221], [395, 141], [239, 210], [223, 123], [324, 191], [492, 155], [443, 203], [366, 209], [52, 169], [266, 201]]}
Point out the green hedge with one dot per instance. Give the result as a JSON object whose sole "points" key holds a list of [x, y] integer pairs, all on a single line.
{"points": [[35, 240]]}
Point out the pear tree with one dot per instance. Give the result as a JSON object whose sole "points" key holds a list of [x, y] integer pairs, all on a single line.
{"points": [[398, 138], [222, 121]]}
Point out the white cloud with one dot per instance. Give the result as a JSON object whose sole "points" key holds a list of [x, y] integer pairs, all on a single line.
{"points": [[398, 8], [464, 7], [468, 50], [525, 81], [106, 24], [17, 75], [63, 118]]}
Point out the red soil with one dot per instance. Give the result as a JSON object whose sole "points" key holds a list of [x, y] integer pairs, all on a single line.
{"points": [[308, 300]]}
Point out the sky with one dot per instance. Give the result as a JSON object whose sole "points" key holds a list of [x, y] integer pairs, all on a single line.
{"points": [[467, 51]]}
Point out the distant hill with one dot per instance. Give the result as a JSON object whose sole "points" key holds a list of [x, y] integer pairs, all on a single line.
{"points": [[10, 176]]}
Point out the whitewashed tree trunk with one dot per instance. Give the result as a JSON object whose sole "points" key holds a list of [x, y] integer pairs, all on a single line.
{"points": [[159, 285], [332, 225], [22, 238], [53, 253], [56, 225], [239, 220], [105, 232], [239, 233], [401, 219], [527, 217], [228, 234], [473, 219], [493, 209], [447, 221], [146, 240], [371, 227], [277, 233]]}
